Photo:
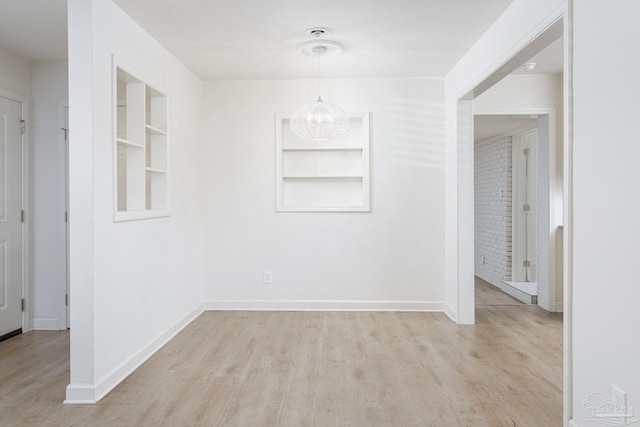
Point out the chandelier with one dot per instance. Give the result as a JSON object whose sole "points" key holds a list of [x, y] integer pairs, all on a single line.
{"points": [[319, 120]]}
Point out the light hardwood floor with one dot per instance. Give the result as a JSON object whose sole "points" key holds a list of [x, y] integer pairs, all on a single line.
{"points": [[488, 294], [311, 369]]}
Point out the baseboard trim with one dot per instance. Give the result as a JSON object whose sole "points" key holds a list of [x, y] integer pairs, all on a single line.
{"points": [[322, 305], [46, 324], [450, 313], [573, 423], [90, 394], [559, 306], [80, 394]]}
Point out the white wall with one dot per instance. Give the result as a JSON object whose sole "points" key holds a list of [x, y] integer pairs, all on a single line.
{"points": [[15, 73], [606, 231], [391, 257], [492, 213], [49, 92], [133, 284], [522, 92]]}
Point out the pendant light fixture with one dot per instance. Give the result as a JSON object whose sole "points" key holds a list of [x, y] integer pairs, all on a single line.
{"points": [[320, 120]]}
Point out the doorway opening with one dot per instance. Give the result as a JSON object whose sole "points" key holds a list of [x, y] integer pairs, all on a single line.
{"points": [[12, 215], [461, 272], [37, 73], [505, 205], [518, 176]]}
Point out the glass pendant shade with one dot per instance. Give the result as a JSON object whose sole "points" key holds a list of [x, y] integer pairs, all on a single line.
{"points": [[319, 121]]}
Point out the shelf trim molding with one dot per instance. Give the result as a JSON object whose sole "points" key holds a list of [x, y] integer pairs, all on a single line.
{"points": [[149, 203], [322, 177], [322, 148], [281, 120]]}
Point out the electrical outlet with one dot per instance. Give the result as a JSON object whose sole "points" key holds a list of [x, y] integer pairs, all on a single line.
{"points": [[267, 277]]}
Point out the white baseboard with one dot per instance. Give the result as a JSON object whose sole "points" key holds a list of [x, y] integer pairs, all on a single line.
{"points": [[524, 295], [573, 423], [89, 394], [80, 394], [450, 313], [46, 324], [559, 306], [322, 305]]}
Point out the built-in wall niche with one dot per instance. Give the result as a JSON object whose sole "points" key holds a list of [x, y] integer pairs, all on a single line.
{"points": [[323, 176], [141, 149]]}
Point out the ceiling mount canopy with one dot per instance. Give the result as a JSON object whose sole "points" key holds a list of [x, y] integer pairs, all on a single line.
{"points": [[319, 121], [318, 45]]}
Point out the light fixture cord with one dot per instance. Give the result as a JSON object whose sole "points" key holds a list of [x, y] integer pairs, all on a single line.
{"points": [[319, 76]]}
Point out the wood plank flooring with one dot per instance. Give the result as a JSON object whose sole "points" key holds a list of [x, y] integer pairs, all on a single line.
{"points": [[311, 369], [488, 294]]}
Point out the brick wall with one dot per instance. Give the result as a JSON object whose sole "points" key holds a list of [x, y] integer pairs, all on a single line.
{"points": [[493, 210]]}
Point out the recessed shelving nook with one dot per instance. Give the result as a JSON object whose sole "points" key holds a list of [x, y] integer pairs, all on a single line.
{"points": [[141, 149], [328, 176]]}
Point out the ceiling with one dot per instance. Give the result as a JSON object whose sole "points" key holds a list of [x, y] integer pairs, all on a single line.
{"points": [[34, 29], [549, 60], [257, 39], [487, 127]]}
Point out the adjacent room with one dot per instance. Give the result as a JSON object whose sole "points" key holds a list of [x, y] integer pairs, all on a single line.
{"points": [[339, 213]]}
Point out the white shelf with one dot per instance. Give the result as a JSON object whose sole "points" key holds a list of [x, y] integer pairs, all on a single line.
{"points": [[155, 130], [152, 170], [322, 177], [332, 177], [140, 149], [141, 214], [324, 148], [130, 143], [323, 209]]}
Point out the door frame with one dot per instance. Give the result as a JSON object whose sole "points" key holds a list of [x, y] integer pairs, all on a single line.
{"points": [[26, 206], [63, 122]]}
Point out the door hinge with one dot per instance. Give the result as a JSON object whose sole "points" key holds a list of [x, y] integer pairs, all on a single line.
{"points": [[22, 304], [66, 299], [66, 216], [526, 151], [22, 215], [23, 126], [526, 263], [526, 207]]}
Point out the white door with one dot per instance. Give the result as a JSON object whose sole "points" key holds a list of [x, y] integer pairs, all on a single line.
{"points": [[524, 225], [10, 216]]}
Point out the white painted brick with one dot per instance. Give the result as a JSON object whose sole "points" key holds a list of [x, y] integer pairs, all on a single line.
{"points": [[493, 214]]}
